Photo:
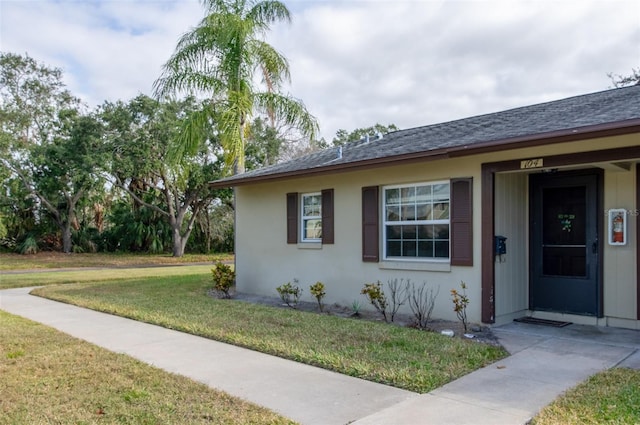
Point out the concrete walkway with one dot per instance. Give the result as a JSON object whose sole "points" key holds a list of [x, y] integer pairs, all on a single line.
{"points": [[544, 363]]}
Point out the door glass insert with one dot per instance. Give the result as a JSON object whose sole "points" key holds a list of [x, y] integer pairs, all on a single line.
{"points": [[564, 231]]}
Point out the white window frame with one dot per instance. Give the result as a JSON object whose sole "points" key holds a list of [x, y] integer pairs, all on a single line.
{"points": [[304, 218], [414, 221]]}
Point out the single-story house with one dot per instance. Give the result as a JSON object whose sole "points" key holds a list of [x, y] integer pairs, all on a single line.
{"points": [[534, 208]]}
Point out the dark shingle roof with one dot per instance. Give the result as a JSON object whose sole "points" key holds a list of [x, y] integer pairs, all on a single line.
{"points": [[580, 114]]}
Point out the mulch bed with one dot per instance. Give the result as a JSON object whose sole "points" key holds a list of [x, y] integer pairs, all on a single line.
{"points": [[481, 334]]}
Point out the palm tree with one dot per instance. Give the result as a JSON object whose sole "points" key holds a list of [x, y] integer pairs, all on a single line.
{"points": [[220, 57]]}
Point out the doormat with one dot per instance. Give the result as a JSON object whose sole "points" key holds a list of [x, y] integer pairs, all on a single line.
{"points": [[543, 322]]}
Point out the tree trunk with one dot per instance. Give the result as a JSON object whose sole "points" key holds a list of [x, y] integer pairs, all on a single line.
{"points": [[178, 245], [180, 241], [208, 230], [66, 237]]}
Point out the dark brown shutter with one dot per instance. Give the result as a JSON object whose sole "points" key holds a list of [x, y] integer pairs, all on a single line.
{"points": [[292, 218], [327, 216], [462, 222], [370, 232]]}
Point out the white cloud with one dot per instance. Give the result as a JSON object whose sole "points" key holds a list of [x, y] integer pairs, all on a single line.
{"points": [[354, 63]]}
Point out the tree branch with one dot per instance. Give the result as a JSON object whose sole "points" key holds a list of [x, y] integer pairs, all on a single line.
{"points": [[157, 209]]}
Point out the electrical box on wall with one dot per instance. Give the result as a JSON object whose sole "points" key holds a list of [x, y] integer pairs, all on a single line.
{"points": [[617, 226]]}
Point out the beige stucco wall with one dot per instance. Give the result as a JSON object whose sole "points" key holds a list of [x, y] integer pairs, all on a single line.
{"points": [[512, 270], [264, 260], [267, 261], [619, 261]]}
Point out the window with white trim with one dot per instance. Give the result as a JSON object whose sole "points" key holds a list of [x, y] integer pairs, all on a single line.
{"points": [[416, 221], [311, 217]]}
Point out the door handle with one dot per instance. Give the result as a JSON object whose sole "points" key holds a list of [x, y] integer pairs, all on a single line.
{"points": [[594, 247]]}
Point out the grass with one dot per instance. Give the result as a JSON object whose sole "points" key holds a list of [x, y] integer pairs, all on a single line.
{"points": [[403, 357], [176, 298], [609, 397], [49, 377], [55, 260], [61, 277]]}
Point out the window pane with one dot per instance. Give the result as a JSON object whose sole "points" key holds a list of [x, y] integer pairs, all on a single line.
{"points": [[392, 196], [409, 232], [442, 249], [311, 205], [409, 249], [425, 249], [394, 232], [441, 231], [423, 211], [311, 210], [311, 200], [425, 232], [441, 211], [312, 229], [423, 193], [393, 213], [408, 195], [440, 192], [394, 248], [408, 212]]}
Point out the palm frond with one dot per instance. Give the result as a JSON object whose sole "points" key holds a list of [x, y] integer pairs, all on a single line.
{"points": [[219, 57], [193, 134], [232, 122], [273, 64], [291, 111], [267, 12]]}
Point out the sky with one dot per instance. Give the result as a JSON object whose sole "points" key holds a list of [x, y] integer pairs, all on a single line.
{"points": [[354, 63]]}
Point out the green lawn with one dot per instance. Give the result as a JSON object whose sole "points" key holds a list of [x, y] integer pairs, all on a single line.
{"points": [[609, 397], [176, 298], [77, 276], [403, 357], [47, 377], [55, 260]]}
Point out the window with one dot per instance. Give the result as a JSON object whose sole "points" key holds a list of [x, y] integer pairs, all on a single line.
{"points": [[416, 221], [311, 219], [419, 219], [310, 215]]}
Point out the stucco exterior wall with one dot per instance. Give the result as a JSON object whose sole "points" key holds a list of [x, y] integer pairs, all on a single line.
{"points": [[512, 269], [619, 261], [264, 260]]}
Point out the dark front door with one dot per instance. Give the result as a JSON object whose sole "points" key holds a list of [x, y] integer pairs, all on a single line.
{"points": [[564, 274]]}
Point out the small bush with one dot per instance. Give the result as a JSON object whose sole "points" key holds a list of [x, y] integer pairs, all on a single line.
{"points": [[29, 245], [399, 292], [460, 303], [355, 307], [318, 292], [224, 277], [376, 297], [290, 294], [422, 301]]}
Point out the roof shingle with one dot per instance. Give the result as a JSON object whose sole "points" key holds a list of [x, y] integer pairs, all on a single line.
{"points": [[580, 113]]}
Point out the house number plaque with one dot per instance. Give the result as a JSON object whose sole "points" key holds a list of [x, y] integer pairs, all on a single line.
{"points": [[531, 163]]}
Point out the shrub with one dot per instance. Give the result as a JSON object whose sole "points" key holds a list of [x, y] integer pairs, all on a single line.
{"points": [[224, 277], [29, 245], [317, 290], [399, 292], [290, 294], [355, 307], [376, 297], [422, 302], [460, 303]]}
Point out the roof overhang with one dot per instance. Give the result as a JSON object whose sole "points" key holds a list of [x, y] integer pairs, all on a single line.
{"points": [[540, 139]]}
